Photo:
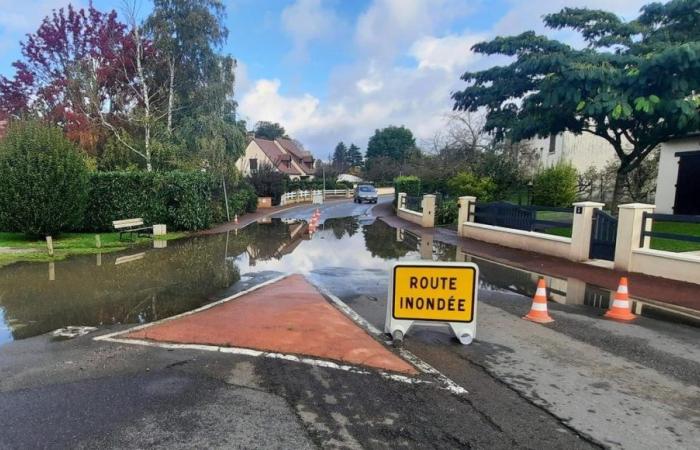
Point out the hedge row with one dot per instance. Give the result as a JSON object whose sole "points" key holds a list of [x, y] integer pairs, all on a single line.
{"points": [[181, 200], [411, 185]]}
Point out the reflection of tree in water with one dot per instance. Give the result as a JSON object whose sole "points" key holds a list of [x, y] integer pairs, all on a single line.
{"points": [[380, 240], [498, 276], [444, 252], [342, 226], [162, 283]]}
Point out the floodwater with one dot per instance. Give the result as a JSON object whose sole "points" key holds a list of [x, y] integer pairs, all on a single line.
{"points": [[350, 256]]}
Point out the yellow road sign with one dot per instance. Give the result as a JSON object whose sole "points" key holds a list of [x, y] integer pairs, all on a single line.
{"points": [[434, 293]]}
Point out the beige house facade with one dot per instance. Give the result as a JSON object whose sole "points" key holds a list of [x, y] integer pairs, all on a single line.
{"points": [[284, 155], [582, 151]]}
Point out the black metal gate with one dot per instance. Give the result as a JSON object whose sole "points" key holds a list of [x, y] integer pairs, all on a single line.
{"points": [[603, 236]]}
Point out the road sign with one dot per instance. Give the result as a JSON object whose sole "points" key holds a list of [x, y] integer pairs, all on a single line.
{"points": [[428, 292]]}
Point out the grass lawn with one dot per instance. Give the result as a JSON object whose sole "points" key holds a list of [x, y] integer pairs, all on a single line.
{"points": [[672, 245], [18, 247], [559, 231]]}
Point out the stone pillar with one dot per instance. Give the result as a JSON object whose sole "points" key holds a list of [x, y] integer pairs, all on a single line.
{"points": [[426, 248], [629, 231], [581, 230], [428, 211], [465, 207], [401, 200]]}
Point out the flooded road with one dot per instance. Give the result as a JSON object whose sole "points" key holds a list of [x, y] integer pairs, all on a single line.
{"points": [[349, 255], [593, 376]]}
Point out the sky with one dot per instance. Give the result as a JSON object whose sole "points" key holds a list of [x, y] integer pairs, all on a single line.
{"points": [[337, 70]]}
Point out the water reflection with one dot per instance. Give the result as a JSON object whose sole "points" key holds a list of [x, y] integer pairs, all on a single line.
{"points": [[151, 283]]}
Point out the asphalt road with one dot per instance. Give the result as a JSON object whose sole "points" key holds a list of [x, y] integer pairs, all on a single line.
{"points": [[579, 383]]}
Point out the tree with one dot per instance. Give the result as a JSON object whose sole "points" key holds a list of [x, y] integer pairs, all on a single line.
{"points": [[269, 130], [340, 157], [555, 186], [354, 156], [392, 142], [50, 80], [635, 84]]}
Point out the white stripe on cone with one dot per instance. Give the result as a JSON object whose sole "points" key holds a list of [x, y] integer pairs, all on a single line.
{"points": [[622, 289], [541, 292], [621, 304], [539, 306]]}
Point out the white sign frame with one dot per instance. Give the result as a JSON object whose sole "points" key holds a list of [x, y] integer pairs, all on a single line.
{"points": [[398, 328]]}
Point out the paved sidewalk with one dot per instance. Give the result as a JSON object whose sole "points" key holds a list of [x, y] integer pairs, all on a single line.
{"points": [[288, 316], [663, 290]]}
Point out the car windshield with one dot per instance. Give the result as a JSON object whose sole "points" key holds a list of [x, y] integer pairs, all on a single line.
{"points": [[366, 189]]}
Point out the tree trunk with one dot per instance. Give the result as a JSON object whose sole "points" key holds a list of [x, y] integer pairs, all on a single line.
{"points": [[171, 94], [619, 188]]}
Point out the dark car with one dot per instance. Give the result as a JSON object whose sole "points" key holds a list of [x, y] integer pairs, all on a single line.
{"points": [[365, 193]]}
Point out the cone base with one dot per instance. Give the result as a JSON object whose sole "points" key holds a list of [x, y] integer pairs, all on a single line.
{"points": [[623, 315], [545, 319]]}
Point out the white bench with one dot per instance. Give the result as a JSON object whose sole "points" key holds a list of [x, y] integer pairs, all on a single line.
{"points": [[130, 226]]}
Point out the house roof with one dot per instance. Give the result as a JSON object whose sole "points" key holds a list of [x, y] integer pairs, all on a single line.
{"points": [[277, 156], [298, 153]]}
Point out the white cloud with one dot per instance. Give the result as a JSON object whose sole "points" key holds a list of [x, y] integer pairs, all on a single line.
{"points": [[375, 90], [306, 21], [445, 53]]}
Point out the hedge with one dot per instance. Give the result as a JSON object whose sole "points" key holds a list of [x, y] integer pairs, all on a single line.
{"points": [[43, 180], [181, 200], [411, 185]]}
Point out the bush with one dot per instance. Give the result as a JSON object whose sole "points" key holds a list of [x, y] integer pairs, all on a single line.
{"points": [[410, 185], [43, 180], [447, 212], [242, 198], [181, 200], [268, 182], [555, 186], [467, 183]]}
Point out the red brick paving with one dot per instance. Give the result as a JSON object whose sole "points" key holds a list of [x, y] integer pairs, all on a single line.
{"points": [[289, 316]]}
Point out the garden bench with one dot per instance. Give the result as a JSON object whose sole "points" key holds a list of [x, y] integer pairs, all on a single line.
{"points": [[130, 226]]}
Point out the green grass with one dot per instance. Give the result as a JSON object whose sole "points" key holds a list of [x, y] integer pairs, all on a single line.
{"points": [[66, 244], [672, 245], [559, 231]]}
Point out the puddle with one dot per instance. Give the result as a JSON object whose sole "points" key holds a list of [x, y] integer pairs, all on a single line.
{"points": [[349, 256]]}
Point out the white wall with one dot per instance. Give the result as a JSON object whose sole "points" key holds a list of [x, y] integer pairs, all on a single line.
{"points": [[582, 151], [668, 171], [252, 151]]}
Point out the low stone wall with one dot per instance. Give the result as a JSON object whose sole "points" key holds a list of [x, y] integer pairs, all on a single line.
{"points": [[411, 216], [676, 266], [385, 191], [526, 240]]}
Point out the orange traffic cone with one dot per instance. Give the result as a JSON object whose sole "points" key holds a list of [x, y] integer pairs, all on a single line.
{"points": [[538, 313], [620, 307]]}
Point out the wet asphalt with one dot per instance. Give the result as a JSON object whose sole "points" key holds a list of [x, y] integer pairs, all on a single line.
{"points": [[578, 383]]}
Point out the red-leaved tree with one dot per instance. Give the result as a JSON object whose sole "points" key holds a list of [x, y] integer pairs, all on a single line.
{"points": [[50, 79]]}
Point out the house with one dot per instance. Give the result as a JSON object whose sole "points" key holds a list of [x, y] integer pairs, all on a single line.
{"points": [[582, 151], [284, 155], [678, 183]]}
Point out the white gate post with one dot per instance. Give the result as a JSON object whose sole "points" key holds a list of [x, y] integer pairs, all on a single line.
{"points": [[581, 229]]}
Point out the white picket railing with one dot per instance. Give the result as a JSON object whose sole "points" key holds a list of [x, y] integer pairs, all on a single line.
{"points": [[307, 196]]}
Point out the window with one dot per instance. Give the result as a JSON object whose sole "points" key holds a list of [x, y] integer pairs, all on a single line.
{"points": [[253, 164], [552, 144]]}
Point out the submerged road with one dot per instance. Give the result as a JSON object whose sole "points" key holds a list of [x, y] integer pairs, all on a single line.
{"points": [[581, 382]]}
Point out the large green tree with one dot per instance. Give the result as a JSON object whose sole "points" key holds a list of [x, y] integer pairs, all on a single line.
{"points": [[340, 157], [392, 142], [635, 84], [354, 156], [269, 130]]}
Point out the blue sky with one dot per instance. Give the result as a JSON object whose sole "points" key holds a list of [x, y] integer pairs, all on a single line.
{"points": [[332, 70]]}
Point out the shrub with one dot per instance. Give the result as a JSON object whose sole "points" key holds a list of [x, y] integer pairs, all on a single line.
{"points": [[467, 183], [555, 186], [182, 200], [43, 180], [268, 182], [410, 185], [447, 212], [242, 198]]}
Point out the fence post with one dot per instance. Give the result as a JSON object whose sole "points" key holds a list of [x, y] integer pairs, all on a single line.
{"points": [[428, 211], [401, 200], [465, 205], [581, 230], [629, 231]]}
